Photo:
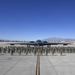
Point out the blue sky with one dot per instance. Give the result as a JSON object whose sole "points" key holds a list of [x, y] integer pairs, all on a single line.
{"points": [[37, 19]]}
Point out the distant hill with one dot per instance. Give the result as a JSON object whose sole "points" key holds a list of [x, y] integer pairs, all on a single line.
{"points": [[60, 40]]}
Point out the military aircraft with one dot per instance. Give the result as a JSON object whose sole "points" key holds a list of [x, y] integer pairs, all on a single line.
{"points": [[38, 42]]}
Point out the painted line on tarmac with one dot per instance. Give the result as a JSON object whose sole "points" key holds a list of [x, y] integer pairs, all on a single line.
{"points": [[52, 66], [13, 66]]}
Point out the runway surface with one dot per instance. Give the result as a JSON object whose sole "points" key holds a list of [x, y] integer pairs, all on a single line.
{"points": [[26, 65]]}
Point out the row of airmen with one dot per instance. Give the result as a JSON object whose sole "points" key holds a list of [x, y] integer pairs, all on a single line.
{"points": [[43, 50]]}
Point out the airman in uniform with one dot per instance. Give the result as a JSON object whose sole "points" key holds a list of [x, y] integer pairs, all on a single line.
{"points": [[53, 51], [61, 51], [0, 49], [12, 51]]}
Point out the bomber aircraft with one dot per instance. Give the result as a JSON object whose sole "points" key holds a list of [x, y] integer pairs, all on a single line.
{"points": [[38, 43]]}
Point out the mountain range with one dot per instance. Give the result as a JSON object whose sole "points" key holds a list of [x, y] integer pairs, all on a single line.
{"points": [[70, 40], [53, 39]]}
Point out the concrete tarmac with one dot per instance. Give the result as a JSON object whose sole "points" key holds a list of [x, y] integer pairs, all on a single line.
{"points": [[26, 65]]}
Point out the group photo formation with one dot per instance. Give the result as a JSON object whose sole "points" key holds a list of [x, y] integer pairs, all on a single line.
{"points": [[32, 48]]}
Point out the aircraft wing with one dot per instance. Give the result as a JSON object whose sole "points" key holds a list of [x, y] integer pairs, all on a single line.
{"points": [[38, 43]]}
